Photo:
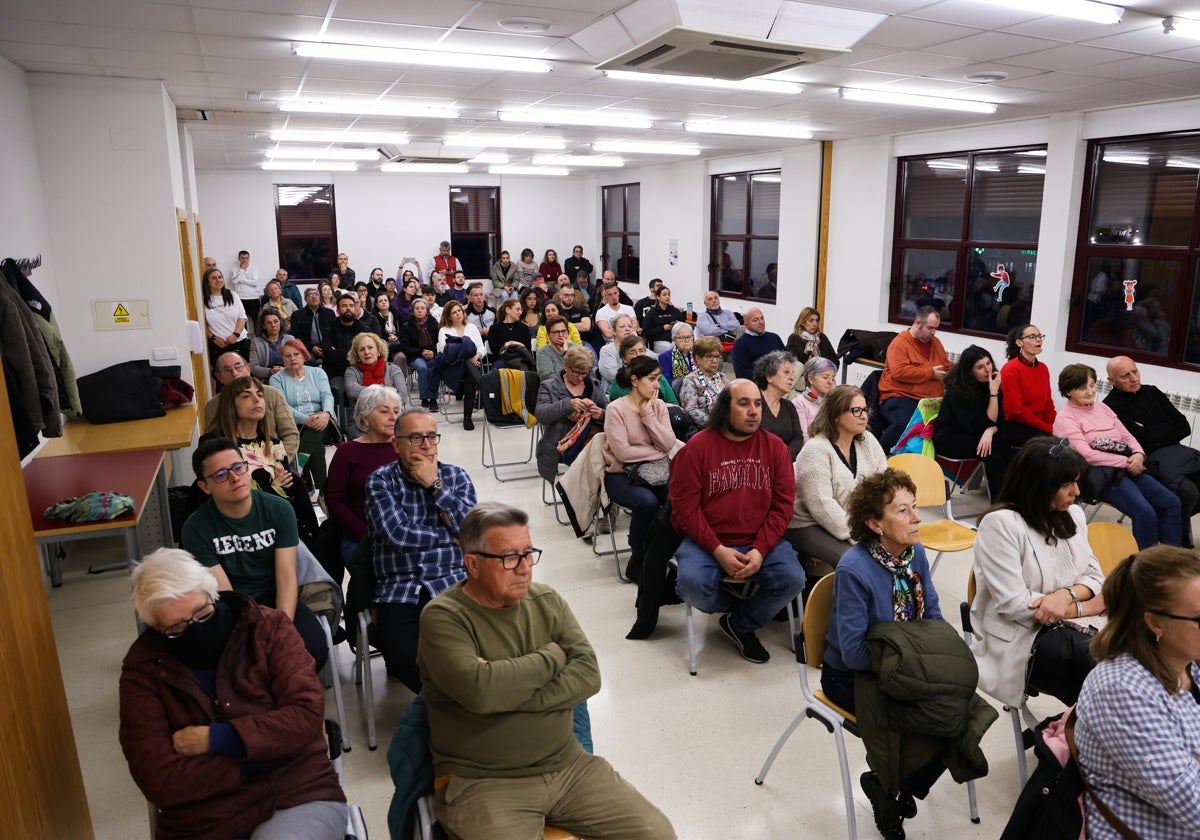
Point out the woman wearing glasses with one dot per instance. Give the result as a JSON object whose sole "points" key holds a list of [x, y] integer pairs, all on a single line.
{"points": [[1138, 728], [678, 361], [1025, 381], [186, 751], [971, 421], [1033, 570], [839, 454], [699, 389]]}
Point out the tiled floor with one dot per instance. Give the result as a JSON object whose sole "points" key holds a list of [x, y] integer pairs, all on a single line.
{"points": [[692, 744]]}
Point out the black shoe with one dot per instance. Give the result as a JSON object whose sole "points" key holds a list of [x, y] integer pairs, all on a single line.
{"points": [[908, 805], [885, 809], [747, 644], [468, 423]]}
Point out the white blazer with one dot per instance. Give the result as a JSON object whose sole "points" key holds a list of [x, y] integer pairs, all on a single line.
{"points": [[1013, 567]]}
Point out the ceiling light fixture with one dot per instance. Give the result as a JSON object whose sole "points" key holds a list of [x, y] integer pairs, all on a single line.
{"points": [[913, 100], [454, 168], [1131, 158], [311, 166], [750, 129], [576, 160], [759, 85], [635, 148], [600, 119], [323, 154], [500, 141], [358, 107], [432, 58], [394, 138], [1031, 169], [525, 25], [1186, 27], [1078, 9], [516, 169]]}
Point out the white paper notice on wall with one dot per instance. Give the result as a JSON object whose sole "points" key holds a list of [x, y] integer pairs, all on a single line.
{"points": [[672, 251], [121, 314]]}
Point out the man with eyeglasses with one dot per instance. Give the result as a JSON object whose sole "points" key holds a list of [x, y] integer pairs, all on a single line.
{"points": [[248, 538], [231, 366], [504, 663], [550, 357], [915, 367], [415, 508]]}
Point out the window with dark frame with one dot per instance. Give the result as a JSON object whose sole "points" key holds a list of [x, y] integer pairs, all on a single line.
{"points": [[744, 255], [621, 224], [306, 229], [475, 228], [1136, 283], [966, 237]]}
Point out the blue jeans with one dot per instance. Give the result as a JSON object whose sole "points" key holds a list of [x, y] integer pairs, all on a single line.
{"points": [[779, 579], [642, 502], [421, 366], [1153, 508], [896, 412]]}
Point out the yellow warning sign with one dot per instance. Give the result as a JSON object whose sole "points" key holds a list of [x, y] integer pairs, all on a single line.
{"points": [[121, 314]]}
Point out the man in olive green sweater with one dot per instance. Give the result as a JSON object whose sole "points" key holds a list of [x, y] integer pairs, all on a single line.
{"points": [[503, 663]]}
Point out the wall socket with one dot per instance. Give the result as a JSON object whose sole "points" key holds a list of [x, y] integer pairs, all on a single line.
{"points": [[164, 354]]}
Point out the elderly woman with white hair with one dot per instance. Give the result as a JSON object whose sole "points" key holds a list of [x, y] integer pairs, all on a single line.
{"points": [[678, 361], [375, 414], [255, 763], [818, 379]]}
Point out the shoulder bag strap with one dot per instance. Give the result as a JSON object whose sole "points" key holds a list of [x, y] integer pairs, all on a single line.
{"points": [[1113, 820]]}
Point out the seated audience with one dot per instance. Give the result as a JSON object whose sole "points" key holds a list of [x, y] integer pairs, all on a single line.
{"points": [[550, 310], [503, 663], [550, 357], [205, 765], [231, 366], [310, 399], [645, 304], [389, 322], [1118, 474], [1033, 569], [1138, 728], [410, 290], [838, 455], [699, 389], [507, 331], [275, 299], [241, 414], [531, 310], [970, 423], [715, 321], [265, 360], [775, 374], [659, 321], [679, 361], [623, 326], [817, 380], [527, 269], [633, 347], [612, 309], [753, 344], [504, 277], [1025, 382], [807, 342], [638, 433], [731, 496], [564, 400], [369, 366], [551, 268], [312, 322], [419, 342], [460, 350], [915, 367]]}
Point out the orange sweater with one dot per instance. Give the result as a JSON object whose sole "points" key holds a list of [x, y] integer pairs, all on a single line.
{"points": [[909, 372]]}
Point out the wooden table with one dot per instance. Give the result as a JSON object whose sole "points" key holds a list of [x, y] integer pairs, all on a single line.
{"points": [[51, 480], [174, 431]]}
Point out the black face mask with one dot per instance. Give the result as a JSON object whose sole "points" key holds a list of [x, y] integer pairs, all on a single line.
{"points": [[201, 645]]}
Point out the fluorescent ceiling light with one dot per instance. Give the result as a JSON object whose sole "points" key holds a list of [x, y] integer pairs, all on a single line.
{"points": [[1133, 158], [322, 154], [1032, 153], [394, 138], [1183, 163], [433, 58], [528, 170], [358, 107], [1031, 169], [913, 100], [987, 167], [766, 179], [762, 85], [501, 141], [750, 129], [457, 168], [490, 157], [563, 116], [959, 165], [1187, 27], [576, 160], [635, 148], [1078, 9], [311, 166]]}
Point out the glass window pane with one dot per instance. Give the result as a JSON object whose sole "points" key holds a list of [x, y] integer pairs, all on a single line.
{"points": [[764, 203], [729, 214], [999, 288], [1006, 196], [613, 248], [1128, 301], [633, 208], [764, 268], [614, 208], [629, 266], [927, 279], [307, 257], [933, 198], [1192, 350], [1145, 191], [727, 266]]}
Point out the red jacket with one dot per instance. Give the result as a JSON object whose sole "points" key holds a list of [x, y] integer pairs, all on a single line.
{"points": [[267, 690], [1027, 397], [909, 373]]}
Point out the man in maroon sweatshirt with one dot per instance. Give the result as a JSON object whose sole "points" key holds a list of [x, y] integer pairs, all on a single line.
{"points": [[732, 491]]}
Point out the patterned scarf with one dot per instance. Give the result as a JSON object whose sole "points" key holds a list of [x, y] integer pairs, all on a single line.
{"points": [[908, 594], [812, 344], [681, 364]]}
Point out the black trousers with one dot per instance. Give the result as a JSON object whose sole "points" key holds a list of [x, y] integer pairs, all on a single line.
{"points": [[398, 627], [310, 631]]}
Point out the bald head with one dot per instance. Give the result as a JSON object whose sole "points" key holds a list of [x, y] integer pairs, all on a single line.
{"points": [[230, 366], [1124, 375], [756, 322], [744, 409]]}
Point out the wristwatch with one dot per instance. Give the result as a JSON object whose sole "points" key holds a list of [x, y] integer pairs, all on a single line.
{"points": [[437, 487]]}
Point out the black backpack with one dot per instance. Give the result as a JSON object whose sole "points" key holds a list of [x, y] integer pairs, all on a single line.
{"points": [[1049, 805]]}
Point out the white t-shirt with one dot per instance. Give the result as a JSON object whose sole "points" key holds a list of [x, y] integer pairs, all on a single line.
{"points": [[471, 332], [607, 314], [221, 319], [244, 283]]}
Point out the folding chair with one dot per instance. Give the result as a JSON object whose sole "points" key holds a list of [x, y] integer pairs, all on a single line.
{"points": [[942, 535], [1111, 543], [356, 826], [494, 420], [810, 644], [742, 590]]}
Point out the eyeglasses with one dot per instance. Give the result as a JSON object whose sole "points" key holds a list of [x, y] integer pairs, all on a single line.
{"points": [[860, 411], [577, 372], [687, 338], [198, 617], [1034, 337], [1193, 620], [221, 476], [558, 332], [511, 561], [416, 438], [233, 368], [1059, 448]]}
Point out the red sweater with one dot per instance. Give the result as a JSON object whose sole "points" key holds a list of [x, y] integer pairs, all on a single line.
{"points": [[908, 371], [1027, 397], [726, 492]]}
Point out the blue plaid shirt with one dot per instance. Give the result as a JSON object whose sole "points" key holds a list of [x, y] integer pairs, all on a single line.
{"points": [[413, 532], [1140, 749]]}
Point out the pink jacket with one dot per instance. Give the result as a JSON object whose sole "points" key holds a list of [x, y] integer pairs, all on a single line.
{"points": [[631, 436], [1083, 424]]}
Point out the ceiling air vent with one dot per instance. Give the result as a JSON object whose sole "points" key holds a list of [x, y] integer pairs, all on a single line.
{"points": [[419, 159], [691, 52]]}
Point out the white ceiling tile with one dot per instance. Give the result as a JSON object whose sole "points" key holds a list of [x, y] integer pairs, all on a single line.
{"points": [[992, 46], [1071, 57], [852, 76], [120, 38], [244, 81], [1133, 68], [163, 63], [979, 15], [495, 43], [315, 88], [911, 63], [909, 34], [1012, 71], [137, 14], [443, 13], [255, 25], [1052, 81], [858, 54], [381, 34], [1186, 81], [1068, 29], [487, 17], [939, 87], [18, 30], [317, 8], [22, 53], [1149, 40]]}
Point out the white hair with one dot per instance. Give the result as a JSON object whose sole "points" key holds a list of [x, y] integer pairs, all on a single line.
{"points": [[165, 575], [370, 399]]}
